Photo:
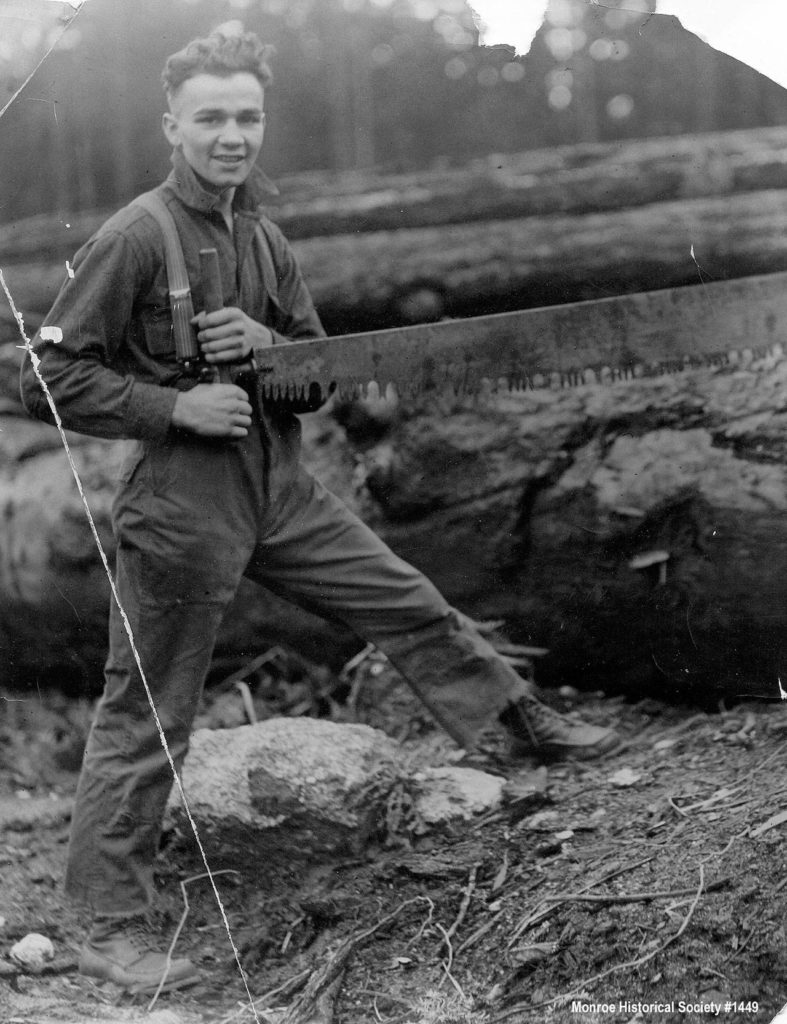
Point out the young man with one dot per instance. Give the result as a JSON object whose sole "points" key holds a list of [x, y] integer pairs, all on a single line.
{"points": [[212, 490]]}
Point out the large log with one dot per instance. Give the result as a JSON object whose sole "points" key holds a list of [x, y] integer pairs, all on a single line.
{"points": [[383, 278], [54, 592], [636, 529], [379, 279], [584, 178]]}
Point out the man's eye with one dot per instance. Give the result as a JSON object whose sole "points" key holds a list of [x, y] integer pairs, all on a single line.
{"points": [[251, 119]]}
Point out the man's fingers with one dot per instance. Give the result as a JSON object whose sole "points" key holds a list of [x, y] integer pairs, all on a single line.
{"points": [[217, 337], [229, 393]]}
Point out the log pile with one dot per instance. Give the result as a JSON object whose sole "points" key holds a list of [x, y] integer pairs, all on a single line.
{"points": [[510, 232], [583, 178], [636, 529]]}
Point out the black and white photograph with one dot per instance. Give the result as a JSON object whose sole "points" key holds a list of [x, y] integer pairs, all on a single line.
{"points": [[393, 511]]}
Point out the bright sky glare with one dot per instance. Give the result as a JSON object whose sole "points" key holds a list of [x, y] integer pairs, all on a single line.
{"points": [[751, 30]]}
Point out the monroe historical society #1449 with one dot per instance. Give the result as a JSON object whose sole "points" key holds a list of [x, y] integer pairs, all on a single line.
{"points": [[675, 1005]]}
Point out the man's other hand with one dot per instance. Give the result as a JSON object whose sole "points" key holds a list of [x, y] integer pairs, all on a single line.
{"points": [[228, 335], [213, 410]]}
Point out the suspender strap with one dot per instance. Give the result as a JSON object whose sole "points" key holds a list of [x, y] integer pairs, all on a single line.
{"points": [[186, 347]]}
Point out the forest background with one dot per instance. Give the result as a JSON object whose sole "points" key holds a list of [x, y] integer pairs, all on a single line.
{"points": [[395, 85]]}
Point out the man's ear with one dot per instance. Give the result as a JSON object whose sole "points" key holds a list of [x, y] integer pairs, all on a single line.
{"points": [[169, 125]]}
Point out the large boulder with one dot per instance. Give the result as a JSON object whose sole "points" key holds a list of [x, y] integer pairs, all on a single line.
{"points": [[288, 790]]}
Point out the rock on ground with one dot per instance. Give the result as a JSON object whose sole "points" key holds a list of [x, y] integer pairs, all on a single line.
{"points": [[288, 788], [455, 794], [301, 789]]}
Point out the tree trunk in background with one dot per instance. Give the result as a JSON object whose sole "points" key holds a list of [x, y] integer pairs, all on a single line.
{"points": [[121, 148]]}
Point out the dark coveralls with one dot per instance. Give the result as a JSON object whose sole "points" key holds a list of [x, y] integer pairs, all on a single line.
{"points": [[193, 515]]}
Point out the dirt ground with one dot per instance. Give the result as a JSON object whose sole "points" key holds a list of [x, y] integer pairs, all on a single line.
{"points": [[598, 892]]}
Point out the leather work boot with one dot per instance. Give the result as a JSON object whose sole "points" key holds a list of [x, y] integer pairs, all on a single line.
{"points": [[123, 951], [536, 729]]}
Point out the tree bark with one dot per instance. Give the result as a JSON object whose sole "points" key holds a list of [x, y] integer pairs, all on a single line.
{"points": [[636, 530], [381, 279]]}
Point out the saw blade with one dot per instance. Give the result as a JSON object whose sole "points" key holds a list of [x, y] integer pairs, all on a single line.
{"points": [[644, 334]]}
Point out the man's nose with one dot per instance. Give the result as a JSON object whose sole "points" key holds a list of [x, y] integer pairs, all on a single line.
{"points": [[231, 134]]}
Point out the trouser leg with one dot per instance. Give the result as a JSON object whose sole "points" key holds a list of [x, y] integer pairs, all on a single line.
{"points": [[320, 555], [126, 777], [180, 558]]}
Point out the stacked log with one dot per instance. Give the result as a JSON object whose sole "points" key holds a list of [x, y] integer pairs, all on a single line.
{"points": [[583, 178], [635, 529], [365, 282], [510, 232]]}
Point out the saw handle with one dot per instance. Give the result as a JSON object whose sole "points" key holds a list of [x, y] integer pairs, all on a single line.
{"points": [[213, 299]]}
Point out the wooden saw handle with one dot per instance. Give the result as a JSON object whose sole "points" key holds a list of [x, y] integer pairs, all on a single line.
{"points": [[213, 298]]}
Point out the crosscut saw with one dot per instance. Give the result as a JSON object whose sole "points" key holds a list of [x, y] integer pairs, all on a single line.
{"points": [[641, 335]]}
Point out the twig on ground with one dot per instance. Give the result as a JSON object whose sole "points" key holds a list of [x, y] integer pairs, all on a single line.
{"points": [[290, 931], [542, 912], [417, 937], [356, 660], [449, 946], [382, 995], [638, 897], [629, 965], [323, 985], [251, 667], [179, 929], [287, 988], [455, 983], [248, 704], [675, 807], [740, 949], [479, 933], [463, 908]]}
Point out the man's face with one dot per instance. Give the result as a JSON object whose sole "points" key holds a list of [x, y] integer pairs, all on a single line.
{"points": [[218, 123]]}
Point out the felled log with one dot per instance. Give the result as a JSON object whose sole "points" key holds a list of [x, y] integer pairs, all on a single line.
{"points": [[583, 178], [54, 593], [387, 278], [366, 281], [637, 530]]}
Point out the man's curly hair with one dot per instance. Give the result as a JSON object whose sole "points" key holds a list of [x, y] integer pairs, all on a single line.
{"points": [[218, 54]]}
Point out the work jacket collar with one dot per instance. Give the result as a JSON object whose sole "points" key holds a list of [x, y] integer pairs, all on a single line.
{"points": [[189, 188]]}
